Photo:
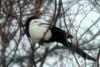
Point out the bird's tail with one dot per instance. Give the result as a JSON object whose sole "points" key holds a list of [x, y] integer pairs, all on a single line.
{"points": [[77, 50]]}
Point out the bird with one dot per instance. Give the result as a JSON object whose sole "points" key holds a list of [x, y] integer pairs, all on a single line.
{"points": [[41, 32]]}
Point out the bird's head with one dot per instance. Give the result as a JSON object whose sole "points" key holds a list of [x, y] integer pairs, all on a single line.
{"points": [[31, 18]]}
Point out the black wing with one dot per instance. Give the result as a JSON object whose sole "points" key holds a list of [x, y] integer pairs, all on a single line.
{"points": [[58, 34]]}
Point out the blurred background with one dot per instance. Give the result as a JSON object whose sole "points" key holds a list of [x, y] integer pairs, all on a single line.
{"points": [[81, 18]]}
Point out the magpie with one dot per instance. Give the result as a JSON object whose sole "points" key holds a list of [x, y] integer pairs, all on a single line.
{"points": [[41, 32]]}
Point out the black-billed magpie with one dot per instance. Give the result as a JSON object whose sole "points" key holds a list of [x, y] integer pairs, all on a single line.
{"points": [[35, 28]]}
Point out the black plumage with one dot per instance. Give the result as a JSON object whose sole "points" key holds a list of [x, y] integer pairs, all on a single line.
{"points": [[60, 36]]}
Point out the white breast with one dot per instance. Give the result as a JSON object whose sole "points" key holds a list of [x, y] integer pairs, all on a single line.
{"points": [[37, 31]]}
